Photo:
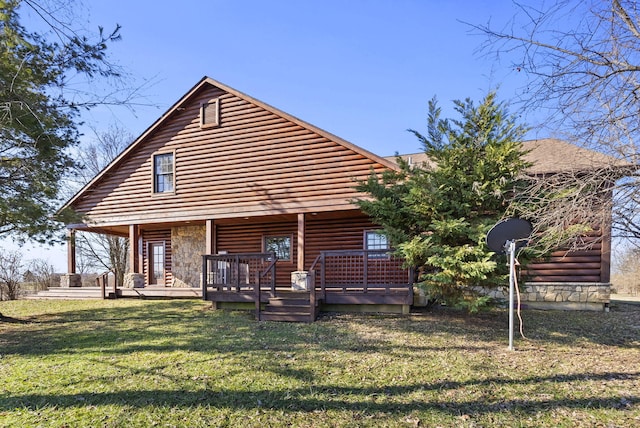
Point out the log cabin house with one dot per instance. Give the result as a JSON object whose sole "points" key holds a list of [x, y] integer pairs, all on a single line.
{"points": [[251, 206]]}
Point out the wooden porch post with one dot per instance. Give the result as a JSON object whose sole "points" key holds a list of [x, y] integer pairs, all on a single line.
{"points": [[71, 251], [140, 252], [301, 238], [134, 249], [605, 254], [211, 237], [71, 278]]}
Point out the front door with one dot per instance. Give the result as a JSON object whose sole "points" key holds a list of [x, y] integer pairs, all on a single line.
{"points": [[156, 263]]}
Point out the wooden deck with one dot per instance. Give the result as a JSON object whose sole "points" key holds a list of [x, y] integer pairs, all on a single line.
{"points": [[335, 278], [96, 293]]}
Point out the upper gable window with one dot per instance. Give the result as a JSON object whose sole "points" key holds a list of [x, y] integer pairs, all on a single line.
{"points": [[210, 114], [163, 173]]}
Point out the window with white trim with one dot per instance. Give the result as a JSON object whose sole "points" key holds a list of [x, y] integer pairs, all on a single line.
{"points": [[375, 240], [163, 173]]}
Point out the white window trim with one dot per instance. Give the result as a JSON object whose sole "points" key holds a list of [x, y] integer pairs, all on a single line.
{"points": [[366, 243], [153, 173]]}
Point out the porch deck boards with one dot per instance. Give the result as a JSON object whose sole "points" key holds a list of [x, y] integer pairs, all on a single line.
{"points": [[332, 296], [95, 293]]}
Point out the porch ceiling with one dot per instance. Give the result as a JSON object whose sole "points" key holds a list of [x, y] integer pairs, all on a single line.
{"points": [[107, 230], [123, 230]]}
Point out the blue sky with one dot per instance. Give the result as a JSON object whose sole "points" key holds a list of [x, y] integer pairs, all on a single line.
{"points": [[363, 70]]}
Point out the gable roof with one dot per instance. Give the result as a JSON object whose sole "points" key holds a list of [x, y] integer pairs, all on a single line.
{"points": [[548, 156], [186, 98]]}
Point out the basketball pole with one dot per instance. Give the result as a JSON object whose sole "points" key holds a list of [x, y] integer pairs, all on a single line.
{"points": [[512, 268]]}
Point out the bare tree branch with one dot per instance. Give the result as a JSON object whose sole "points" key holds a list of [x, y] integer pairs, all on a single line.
{"points": [[100, 251], [582, 60]]}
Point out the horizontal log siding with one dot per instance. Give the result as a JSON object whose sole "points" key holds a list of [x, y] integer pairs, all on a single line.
{"points": [[254, 163], [346, 233], [151, 236], [247, 238], [565, 266]]}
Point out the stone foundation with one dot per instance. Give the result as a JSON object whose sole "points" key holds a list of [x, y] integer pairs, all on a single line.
{"points": [[580, 295], [69, 280], [559, 295], [188, 244], [133, 280]]}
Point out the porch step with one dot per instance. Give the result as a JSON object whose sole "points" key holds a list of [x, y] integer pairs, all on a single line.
{"points": [[96, 293], [289, 307], [285, 302], [285, 317], [67, 293]]}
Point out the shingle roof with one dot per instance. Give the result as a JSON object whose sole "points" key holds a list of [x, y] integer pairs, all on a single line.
{"points": [[548, 155]]}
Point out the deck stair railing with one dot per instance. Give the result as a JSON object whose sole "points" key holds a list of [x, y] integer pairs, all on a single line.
{"points": [[238, 272], [270, 274], [102, 281]]}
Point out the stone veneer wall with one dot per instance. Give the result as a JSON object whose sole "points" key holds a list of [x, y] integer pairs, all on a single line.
{"points": [[188, 244], [560, 295], [577, 295], [70, 280]]}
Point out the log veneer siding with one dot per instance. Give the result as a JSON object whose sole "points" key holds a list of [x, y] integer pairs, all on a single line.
{"points": [[570, 266], [341, 233], [247, 237], [344, 232], [253, 163]]}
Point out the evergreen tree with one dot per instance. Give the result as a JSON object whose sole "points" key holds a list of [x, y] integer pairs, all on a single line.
{"points": [[437, 214], [38, 115]]}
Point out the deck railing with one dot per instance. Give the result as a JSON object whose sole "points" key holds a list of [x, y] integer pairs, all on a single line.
{"points": [[363, 271], [102, 281], [313, 300], [269, 273], [237, 272], [342, 276]]}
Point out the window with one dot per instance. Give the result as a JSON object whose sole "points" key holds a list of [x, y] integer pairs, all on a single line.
{"points": [[210, 114], [375, 240], [163, 173], [281, 245]]}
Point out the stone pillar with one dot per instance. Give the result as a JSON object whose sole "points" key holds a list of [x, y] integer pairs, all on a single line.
{"points": [[188, 243], [133, 280], [70, 280]]}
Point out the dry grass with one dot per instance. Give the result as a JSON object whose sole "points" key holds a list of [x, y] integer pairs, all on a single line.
{"points": [[177, 363]]}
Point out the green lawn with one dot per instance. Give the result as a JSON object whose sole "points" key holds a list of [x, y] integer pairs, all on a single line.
{"points": [[178, 363]]}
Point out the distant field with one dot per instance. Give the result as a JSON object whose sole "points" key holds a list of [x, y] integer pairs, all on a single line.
{"points": [[178, 363]]}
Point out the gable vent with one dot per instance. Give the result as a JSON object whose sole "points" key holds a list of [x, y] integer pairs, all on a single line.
{"points": [[210, 114]]}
